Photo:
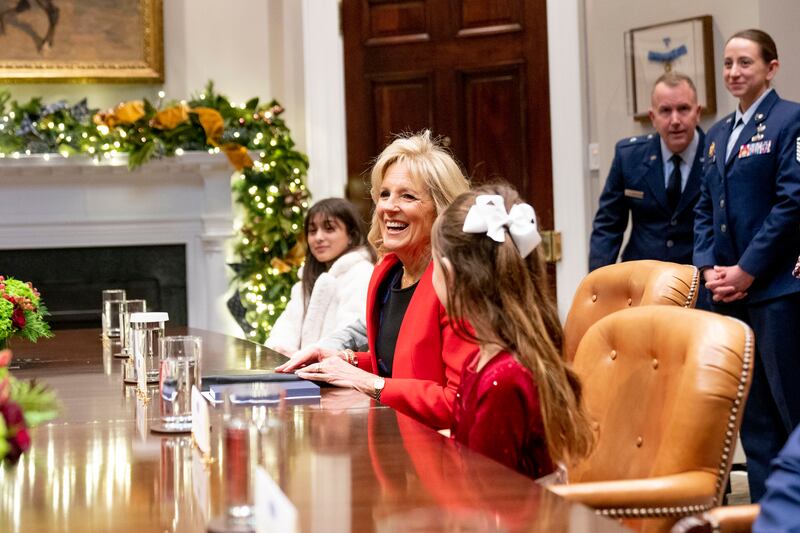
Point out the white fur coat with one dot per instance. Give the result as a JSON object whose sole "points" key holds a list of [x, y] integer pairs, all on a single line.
{"points": [[338, 299]]}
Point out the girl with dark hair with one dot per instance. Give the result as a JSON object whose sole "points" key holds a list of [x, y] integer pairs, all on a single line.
{"points": [[518, 402], [332, 290]]}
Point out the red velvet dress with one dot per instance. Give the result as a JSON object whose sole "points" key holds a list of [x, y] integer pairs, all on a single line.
{"points": [[497, 413]]}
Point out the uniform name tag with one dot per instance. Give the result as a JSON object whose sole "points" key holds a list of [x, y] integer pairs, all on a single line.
{"points": [[757, 148], [633, 193]]}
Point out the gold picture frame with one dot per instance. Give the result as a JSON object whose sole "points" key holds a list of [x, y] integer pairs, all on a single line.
{"points": [[117, 41], [686, 46]]}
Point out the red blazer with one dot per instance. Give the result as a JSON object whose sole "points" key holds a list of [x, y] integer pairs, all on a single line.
{"points": [[428, 357]]}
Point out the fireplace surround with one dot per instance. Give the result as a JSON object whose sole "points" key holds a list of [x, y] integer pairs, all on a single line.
{"points": [[184, 203]]}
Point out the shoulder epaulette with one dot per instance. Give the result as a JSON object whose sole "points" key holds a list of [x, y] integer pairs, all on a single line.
{"points": [[634, 141]]}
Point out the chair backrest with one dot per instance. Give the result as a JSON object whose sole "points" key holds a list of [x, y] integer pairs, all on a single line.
{"points": [[665, 388], [628, 284]]}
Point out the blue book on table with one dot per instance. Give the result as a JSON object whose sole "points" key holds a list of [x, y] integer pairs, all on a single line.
{"points": [[265, 393]]}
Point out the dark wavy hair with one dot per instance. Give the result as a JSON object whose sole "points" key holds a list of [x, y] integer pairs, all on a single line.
{"points": [[346, 213]]}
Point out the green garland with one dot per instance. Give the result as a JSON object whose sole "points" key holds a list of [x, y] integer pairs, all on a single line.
{"points": [[271, 190]]}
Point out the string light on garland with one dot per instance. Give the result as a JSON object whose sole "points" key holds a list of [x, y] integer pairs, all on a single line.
{"points": [[270, 190]]}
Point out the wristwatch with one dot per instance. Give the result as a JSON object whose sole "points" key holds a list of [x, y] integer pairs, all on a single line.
{"points": [[377, 388]]}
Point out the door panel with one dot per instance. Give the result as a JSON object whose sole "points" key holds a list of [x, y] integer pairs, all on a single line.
{"points": [[479, 17], [401, 104], [493, 126], [473, 71], [396, 22]]}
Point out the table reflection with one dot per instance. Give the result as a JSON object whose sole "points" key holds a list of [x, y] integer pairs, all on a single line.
{"points": [[346, 463]]}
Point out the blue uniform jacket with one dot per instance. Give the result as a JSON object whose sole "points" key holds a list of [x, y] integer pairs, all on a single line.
{"points": [[780, 506], [749, 208], [635, 184]]}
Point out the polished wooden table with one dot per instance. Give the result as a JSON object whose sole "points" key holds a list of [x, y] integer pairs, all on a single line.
{"points": [[346, 463]]}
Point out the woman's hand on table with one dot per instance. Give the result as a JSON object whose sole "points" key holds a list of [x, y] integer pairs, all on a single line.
{"points": [[338, 372], [304, 357]]}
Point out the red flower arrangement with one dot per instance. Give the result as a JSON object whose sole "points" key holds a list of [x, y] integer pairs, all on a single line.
{"points": [[23, 405], [21, 311]]}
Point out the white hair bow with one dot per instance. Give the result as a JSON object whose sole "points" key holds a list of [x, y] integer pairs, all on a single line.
{"points": [[489, 216]]}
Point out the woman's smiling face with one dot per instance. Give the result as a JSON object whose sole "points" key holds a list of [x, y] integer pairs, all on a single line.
{"points": [[405, 212]]}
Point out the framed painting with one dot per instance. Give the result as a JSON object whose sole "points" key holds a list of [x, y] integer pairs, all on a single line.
{"points": [[684, 46], [81, 41]]}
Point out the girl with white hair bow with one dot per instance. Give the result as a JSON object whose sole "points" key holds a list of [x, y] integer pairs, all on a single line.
{"points": [[518, 402]]}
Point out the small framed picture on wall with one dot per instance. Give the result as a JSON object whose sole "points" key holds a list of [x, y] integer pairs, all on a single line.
{"points": [[684, 46]]}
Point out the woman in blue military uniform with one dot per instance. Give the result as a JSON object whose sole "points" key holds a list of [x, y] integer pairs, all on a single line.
{"points": [[746, 239]]}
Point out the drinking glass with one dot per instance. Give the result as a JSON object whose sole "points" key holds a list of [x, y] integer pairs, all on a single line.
{"points": [[240, 456], [180, 370], [126, 308], [113, 311], [146, 334], [111, 320]]}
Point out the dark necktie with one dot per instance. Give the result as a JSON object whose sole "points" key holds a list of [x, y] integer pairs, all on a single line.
{"points": [[674, 183]]}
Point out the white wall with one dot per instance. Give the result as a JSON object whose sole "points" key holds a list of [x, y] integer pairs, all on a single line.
{"points": [[780, 19], [568, 127]]}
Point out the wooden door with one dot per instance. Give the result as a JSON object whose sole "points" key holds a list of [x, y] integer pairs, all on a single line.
{"points": [[473, 71]]}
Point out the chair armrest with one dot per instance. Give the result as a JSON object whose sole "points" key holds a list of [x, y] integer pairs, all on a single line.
{"points": [[675, 495], [732, 519]]}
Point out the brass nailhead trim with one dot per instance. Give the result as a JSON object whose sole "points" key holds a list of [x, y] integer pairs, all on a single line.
{"points": [[692, 287], [725, 457], [653, 512]]}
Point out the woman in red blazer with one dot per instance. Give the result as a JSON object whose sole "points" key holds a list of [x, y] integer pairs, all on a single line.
{"points": [[415, 358]]}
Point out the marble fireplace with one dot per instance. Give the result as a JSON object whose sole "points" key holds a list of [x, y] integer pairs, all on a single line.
{"points": [[181, 205]]}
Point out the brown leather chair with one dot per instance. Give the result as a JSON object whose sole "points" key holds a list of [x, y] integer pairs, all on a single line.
{"points": [[665, 387], [629, 284], [731, 519]]}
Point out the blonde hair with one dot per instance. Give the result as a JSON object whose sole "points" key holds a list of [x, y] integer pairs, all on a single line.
{"points": [[506, 301], [428, 164]]}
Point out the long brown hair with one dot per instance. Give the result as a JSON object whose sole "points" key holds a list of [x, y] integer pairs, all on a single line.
{"points": [[346, 213], [505, 300]]}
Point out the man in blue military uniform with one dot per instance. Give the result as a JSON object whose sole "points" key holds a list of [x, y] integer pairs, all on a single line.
{"points": [[747, 238], [657, 179], [780, 506]]}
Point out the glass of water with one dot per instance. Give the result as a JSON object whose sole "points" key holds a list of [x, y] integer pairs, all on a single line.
{"points": [[146, 333], [126, 309], [110, 320], [180, 370]]}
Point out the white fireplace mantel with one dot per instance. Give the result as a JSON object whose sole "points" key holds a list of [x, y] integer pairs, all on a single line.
{"points": [[56, 202]]}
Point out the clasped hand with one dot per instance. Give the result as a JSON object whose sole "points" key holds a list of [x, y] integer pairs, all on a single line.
{"points": [[727, 283]]}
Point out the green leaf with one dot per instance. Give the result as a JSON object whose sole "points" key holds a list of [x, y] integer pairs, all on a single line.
{"points": [[39, 403]]}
